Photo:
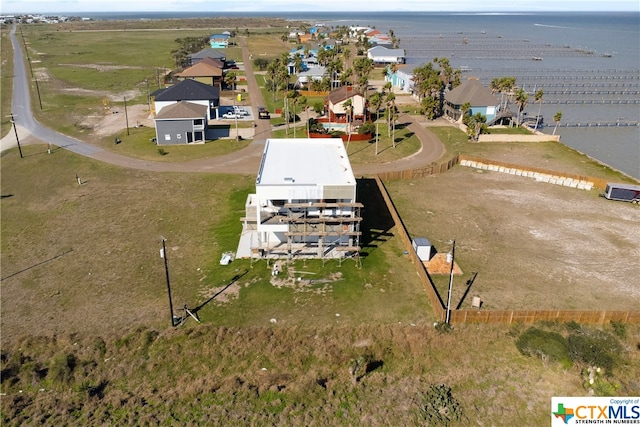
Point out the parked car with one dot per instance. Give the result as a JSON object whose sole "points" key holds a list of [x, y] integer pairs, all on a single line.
{"points": [[230, 115], [240, 111], [263, 113]]}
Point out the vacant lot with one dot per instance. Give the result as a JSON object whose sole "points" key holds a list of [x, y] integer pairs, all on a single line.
{"points": [[533, 245]]}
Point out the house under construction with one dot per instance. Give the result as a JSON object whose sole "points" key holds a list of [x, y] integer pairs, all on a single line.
{"points": [[304, 204]]}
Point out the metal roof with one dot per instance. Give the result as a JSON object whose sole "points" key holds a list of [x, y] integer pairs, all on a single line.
{"points": [[188, 90], [183, 110], [473, 92], [305, 161]]}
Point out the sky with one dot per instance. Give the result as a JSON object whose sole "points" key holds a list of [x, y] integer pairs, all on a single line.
{"points": [[77, 7]]}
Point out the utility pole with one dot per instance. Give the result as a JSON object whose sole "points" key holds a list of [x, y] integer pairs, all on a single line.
{"points": [[163, 254], [148, 95], [452, 255], [16, 132], [38, 90], [126, 116]]}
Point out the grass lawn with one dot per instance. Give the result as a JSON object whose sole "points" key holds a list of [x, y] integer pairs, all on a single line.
{"points": [[6, 80], [548, 155], [126, 212], [138, 145]]}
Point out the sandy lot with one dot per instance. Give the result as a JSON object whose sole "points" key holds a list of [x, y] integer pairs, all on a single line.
{"points": [[534, 245]]}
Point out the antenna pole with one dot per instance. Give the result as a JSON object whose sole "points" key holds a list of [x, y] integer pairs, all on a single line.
{"points": [[163, 254]]}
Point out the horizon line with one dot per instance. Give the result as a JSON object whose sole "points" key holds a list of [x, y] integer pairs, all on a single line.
{"points": [[484, 12]]}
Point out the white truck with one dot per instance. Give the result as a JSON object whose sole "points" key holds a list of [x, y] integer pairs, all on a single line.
{"points": [[622, 192]]}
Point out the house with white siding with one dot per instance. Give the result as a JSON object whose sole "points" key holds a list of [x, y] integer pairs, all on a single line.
{"points": [[304, 204], [385, 55]]}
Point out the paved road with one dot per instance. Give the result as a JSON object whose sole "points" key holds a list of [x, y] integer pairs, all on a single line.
{"points": [[245, 161]]}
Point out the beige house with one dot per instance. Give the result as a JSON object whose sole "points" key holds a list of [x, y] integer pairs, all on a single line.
{"points": [[335, 105], [208, 71]]}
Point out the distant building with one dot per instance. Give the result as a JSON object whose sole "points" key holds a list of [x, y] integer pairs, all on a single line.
{"points": [[305, 202], [219, 41], [194, 58], [208, 71], [384, 55]]}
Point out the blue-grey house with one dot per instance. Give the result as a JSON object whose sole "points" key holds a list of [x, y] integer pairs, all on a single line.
{"points": [[181, 123], [189, 90], [194, 58], [402, 78], [479, 98]]}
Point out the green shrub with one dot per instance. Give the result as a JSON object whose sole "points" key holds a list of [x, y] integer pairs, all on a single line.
{"points": [[619, 328], [61, 369], [544, 344], [439, 407], [594, 348], [367, 128]]}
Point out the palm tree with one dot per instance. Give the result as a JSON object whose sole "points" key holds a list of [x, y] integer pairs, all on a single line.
{"points": [[348, 108], [387, 87], [230, 80], [391, 115], [376, 102], [291, 96], [556, 119], [538, 98], [477, 124], [522, 98], [346, 55]]}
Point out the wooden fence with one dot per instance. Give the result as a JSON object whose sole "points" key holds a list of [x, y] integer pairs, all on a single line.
{"points": [[432, 169], [530, 316], [494, 316], [314, 93], [425, 279], [597, 182], [436, 168]]}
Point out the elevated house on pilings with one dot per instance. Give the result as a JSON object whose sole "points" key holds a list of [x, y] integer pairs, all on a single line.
{"points": [[305, 203]]}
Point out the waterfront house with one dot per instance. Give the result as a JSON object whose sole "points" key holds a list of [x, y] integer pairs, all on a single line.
{"points": [[473, 92], [402, 79], [181, 123], [384, 55], [304, 204]]}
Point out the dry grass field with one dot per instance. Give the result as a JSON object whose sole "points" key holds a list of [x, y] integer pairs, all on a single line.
{"points": [[85, 327]]}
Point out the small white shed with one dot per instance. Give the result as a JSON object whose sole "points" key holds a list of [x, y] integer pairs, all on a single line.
{"points": [[423, 248]]}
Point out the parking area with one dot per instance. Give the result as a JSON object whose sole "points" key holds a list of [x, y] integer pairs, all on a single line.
{"points": [[233, 112]]}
